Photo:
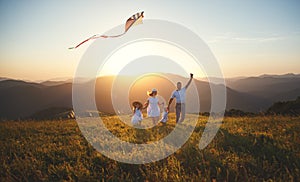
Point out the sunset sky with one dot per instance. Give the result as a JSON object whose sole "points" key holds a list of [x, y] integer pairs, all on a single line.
{"points": [[248, 38]]}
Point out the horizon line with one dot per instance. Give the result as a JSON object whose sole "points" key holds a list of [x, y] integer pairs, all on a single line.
{"points": [[65, 78]]}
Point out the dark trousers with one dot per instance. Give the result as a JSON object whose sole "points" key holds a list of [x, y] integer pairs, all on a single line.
{"points": [[180, 112]]}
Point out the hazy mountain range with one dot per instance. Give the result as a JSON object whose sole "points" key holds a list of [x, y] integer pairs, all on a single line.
{"points": [[20, 99]]}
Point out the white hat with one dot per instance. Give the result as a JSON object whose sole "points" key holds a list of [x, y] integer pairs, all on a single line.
{"points": [[151, 92]]}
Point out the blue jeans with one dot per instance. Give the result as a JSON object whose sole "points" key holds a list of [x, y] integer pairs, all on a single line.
{"points": [[180, 112]]}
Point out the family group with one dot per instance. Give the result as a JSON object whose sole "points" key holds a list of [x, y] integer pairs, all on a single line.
{"points": [[153, 105]]}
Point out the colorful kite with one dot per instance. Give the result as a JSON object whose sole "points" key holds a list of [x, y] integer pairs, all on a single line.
{"points": [[133, 20]]}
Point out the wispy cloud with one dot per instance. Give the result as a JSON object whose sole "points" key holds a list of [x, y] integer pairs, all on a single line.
{"points": [[234, 38]]}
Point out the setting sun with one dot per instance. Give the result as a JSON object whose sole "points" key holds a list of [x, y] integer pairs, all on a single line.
{"points": [[181, 62]]}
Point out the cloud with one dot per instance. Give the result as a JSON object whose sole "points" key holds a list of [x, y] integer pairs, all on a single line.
{"points": [[233, 38]]}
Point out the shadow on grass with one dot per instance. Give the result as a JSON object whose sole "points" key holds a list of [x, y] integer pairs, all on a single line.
{"points": [[258, 156]]}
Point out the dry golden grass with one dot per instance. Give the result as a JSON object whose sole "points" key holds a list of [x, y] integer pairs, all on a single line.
{"points": [[245, 149]]}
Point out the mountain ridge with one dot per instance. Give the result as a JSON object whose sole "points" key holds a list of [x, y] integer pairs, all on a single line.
{"points": [[21, 99]]}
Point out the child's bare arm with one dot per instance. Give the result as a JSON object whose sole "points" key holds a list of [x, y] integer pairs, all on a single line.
{"points": [[161, 103], [146, 104]]}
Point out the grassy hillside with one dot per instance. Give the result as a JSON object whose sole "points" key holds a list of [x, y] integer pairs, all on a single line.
{"points": [[245, 149]]}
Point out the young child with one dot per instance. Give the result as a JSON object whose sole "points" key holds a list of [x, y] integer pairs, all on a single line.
{"points": [[137, 114], [164, 117]]}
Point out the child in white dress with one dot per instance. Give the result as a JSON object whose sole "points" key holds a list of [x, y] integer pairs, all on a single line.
{"points": [[137, 114], [152, 106]]}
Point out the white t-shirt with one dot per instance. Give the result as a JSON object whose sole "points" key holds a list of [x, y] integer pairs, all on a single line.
{"points": [[179, 95]]}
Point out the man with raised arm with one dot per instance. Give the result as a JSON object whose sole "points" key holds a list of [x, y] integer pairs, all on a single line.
{"points": [[179, 95]]}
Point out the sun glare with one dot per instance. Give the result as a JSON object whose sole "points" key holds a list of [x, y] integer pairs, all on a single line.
{"points": [[122, 56]]}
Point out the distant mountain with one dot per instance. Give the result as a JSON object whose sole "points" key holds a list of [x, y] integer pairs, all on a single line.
{"points": [[53, 113], [286, 108], [288, 75], [59, 79], [52, 83], [288, 95], [270, 87], [20, 99], [217, 80], [3, 78], [16, 83]]}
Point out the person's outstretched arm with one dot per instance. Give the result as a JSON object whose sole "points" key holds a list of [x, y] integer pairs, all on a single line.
{"points": [[190, 81], [170, 102]]}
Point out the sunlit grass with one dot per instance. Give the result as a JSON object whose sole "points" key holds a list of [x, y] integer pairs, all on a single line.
{"points": [[245, 148]]}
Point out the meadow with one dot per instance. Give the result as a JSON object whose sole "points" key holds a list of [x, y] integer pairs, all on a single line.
{"points": [[260, 148]]}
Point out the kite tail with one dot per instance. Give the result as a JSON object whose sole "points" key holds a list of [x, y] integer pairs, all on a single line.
{"points": [[83, 42], [96, 37], [113, 36]]}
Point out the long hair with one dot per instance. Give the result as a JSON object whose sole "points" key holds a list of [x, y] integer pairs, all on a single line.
{"points": [[136, 105]]}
